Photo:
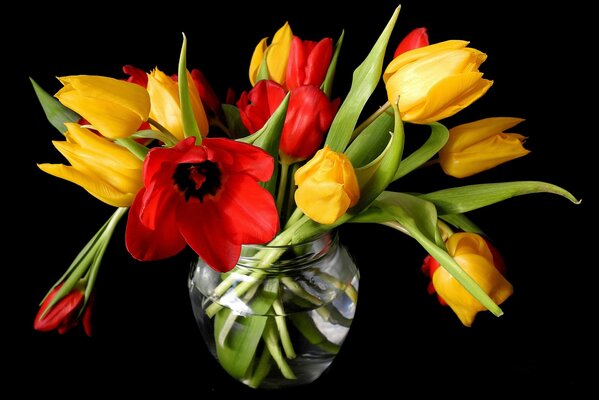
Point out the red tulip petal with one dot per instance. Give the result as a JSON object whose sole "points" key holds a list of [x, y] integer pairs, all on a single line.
{"points": [[164, 240], [296, 64], [64, 311], [318, 62], [413, 40], [203, 226], [240, 157], [86, 319], [136, 75], [207, 95]]}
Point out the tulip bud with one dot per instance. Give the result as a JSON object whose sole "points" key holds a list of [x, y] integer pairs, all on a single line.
{"points": [[115, 108], [109, 172], [277, 55], [64, 315], [481, 145], [327, 186], [308, 62], [164, 95], [476, 257], [436, 81]]}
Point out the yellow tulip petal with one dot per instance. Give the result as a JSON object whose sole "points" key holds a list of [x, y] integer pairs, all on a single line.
{"points": [[484, 274], [94, 144], [464, 136], [449, 96], [277, 54], [125, 94], [96, 187], [324, 202], [165, 106], [256, 61], [419, 53]]}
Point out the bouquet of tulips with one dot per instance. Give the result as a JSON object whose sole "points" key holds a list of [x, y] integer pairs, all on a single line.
{"points": [[285, 162]]}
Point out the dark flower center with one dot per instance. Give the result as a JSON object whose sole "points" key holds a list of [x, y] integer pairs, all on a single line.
{"points": [[197, 180]]}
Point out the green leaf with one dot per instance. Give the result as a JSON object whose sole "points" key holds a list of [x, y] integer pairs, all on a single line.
{"points": [[237, 349], [327, 85], [164, 137], [467, 198], [371, 142], [137, 149], [233, 120], [462, 222], [365, 80], [56, 113], [436, 141], [190, 126], [419, 218], [378, 174]]}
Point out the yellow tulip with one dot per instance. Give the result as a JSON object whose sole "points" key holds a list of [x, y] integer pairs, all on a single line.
{"points": [[115, 108], [481, 145], [106, 170], [327, 186], [277, 55], [166, 110], [436, 81], [475, 257]]}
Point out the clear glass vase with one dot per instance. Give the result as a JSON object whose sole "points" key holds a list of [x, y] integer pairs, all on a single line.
{"points": [[280, 316]]}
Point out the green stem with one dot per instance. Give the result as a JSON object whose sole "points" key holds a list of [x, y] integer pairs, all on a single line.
{"points": [[268, 256], [218, 123], [282, 190], [169, 137], [295, 217], [369, 120], [283, 331], [262, 369], [291, 207], [272, 342]]}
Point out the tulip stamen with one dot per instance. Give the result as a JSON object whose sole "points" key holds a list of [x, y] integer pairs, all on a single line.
{"points": [[198, 179]]}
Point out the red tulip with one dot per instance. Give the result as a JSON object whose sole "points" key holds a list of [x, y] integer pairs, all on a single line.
{"points": [[205, 196], [308, 62], [309, 116], [65, 313], [256, 107], [413, 40]]}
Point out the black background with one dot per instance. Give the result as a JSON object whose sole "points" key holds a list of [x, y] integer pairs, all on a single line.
{"points": [[402, 341]]}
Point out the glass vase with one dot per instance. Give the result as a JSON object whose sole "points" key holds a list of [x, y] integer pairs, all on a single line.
{"points": [[280, 316]]}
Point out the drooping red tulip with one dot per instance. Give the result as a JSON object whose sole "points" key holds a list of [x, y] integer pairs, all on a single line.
{"points": [[205, 196], [413, 40], [64, 315], [308, 62]]}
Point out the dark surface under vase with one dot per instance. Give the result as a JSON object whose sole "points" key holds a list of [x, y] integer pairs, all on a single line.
{"points": [[281, 315]]}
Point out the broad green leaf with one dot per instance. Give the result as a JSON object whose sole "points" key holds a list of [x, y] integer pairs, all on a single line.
{"points": [[237, 349], [419, 219], [327, 85], [365, 80], [436, 141], [236, 127], [56, 113], [371, 142], [378, 174], [190, 126], [462, 222], [467, 198]]}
